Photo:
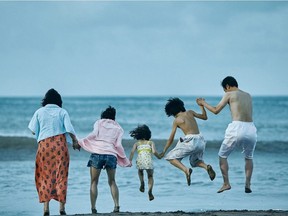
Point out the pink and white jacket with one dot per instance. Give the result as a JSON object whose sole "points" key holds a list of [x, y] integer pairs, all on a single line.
{"points": [[106, 138]]}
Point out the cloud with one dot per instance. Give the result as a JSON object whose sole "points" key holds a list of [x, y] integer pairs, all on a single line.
{"points": [[142, 48]]}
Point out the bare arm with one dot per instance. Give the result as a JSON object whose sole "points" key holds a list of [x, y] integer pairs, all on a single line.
{"points": [[203, 115], [75, 142], [171, 138], [132, 152], [154, 151], [224, 101]]}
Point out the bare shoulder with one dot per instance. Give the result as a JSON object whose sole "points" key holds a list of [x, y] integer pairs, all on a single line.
{"points": [[190, 113], [243, 94], [179, 120], [150, 142]]}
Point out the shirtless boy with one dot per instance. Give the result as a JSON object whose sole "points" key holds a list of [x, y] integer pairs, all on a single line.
{"points": [[241, 132], [192, 145]]}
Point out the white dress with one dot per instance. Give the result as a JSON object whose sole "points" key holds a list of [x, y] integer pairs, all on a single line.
{"points": [[144, 159]]}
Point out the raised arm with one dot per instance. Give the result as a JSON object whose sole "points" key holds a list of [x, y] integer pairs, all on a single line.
{"points": [[203, 114], [224, 101]]}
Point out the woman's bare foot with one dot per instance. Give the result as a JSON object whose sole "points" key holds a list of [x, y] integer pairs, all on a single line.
{"points": [[224, 187], [188, 176]]}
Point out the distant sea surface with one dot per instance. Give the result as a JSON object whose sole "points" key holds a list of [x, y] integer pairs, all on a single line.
{"points": [[269, 181], [270, 115]]}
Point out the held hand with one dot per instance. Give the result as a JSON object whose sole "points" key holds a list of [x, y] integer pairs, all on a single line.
{"points": [[161, 155], [158, 156], [130, 165], [76, 145], [200, 101]]}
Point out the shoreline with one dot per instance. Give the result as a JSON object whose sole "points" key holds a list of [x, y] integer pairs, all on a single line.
{"points": [[205, 213]]}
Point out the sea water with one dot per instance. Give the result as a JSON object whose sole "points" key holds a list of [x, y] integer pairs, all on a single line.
{"points": [[269, 181], [270, 115]]}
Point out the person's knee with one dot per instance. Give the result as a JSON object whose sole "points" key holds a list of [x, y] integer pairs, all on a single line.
{"points": [[172, 161], [111, 182], [141, 172], [94, 183], [150, 175]]}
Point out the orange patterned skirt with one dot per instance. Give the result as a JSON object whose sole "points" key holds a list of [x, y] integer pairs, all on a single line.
{"points": [[52, 165]]}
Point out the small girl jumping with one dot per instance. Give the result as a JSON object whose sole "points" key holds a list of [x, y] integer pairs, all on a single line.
{"points": [[145, 147]]}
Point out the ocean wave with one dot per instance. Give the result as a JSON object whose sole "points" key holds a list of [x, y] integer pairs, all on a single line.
{"points": [[23, 142]]}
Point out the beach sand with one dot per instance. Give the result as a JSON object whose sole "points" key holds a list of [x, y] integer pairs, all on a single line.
{"points": [[207, 213]]}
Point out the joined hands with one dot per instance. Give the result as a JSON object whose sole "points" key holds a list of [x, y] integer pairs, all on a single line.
{"points": [[76, 145]]}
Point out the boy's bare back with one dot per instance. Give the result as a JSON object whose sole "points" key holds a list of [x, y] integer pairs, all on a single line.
{"points": [[187, 123]]}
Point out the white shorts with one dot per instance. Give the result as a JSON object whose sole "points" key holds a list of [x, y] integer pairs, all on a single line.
{"points": [[242, 134], [192, 145]]}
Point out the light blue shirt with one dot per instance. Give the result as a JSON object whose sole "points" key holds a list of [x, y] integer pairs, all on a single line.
{"points": [[51, 120]]}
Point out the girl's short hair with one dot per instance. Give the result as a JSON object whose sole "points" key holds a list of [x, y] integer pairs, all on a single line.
{"points": [[109, 113], [174, 106], [52, 97], [141, 132]]}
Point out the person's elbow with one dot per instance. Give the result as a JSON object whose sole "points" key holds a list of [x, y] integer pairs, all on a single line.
{"points": [[215, 111]]}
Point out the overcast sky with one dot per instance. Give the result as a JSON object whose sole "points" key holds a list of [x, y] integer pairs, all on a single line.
{"points": [[141, 48]]}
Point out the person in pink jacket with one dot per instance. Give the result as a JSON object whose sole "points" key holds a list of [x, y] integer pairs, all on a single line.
{"points": [[105, 144]]}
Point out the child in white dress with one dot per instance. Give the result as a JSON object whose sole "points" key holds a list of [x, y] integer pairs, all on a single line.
{"points": [[145, 147]]}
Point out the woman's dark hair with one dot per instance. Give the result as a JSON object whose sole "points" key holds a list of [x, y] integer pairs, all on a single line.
{"points": [[229, 80], [142, 132], [109, 113], [174, 106], [52, 97]]}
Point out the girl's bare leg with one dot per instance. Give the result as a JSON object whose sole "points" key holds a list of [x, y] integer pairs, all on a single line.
{"points": [[113, 188], [150, 183], [141, 178], [94, 173]]}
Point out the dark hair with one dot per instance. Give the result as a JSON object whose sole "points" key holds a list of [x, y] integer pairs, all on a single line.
{"points": [[174, 106], [141, 132], [109, 113], [230, 81], [52, 97]]}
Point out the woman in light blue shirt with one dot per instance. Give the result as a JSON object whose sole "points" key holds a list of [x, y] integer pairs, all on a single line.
{"points": [[53, 129]]}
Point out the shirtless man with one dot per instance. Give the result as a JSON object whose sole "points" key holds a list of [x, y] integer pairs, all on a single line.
{"points": [[241, 132], [192, 145]]}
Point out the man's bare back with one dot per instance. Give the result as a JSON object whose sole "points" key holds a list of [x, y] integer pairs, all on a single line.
{"points": [[240, 104]]}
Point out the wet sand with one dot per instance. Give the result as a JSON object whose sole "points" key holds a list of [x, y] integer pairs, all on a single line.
{"points": [[207, 213]]}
